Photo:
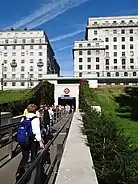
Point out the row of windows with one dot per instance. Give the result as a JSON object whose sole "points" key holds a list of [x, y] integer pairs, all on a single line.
{"points": [[24, 41], [23, 54], [123, 39], [107, 60], [22, 76], [115, 22], [23, 61], [22, 47], [123, 31], [23, 69], [116, 67], [123, 47], [115, 54], [89, 67], [109, 74], [21, 84], [89, 52]]}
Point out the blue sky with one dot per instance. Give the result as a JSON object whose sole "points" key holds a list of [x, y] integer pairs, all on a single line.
{"points": [[63, 20]]}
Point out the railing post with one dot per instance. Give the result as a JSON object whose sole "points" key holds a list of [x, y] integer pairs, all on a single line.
{"points": [[10, 147]]}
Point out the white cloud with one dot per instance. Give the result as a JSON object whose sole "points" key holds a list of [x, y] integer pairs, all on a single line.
{"points": [[63, 48], [62, 37], [47, 12]]}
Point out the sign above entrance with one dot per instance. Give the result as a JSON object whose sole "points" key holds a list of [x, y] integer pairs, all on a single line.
{"points": [[66, 90]]}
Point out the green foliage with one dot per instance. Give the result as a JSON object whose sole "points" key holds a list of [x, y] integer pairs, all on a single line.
{"points": [[115, 160], [17, 101]]}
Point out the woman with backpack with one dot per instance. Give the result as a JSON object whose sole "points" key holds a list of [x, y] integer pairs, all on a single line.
{"points": [[29, 138]]}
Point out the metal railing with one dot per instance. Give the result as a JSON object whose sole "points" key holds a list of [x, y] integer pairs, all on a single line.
{"points": [[37, 173]]}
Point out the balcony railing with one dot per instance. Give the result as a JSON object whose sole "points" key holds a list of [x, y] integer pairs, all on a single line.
{"points": [[13, 64], [40, 64]]}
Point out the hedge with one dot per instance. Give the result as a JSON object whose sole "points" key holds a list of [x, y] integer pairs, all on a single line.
{"points": [[115, 160], [43, 93]]}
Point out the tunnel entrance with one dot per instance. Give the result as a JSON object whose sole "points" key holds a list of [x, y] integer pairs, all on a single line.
{"points": [[67, 100]]}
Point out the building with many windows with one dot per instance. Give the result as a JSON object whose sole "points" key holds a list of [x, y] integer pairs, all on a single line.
{"points": [[110, 48], [25, 58]]}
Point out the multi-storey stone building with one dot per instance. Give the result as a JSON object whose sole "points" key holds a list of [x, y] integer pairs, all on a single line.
{"points": [[110, 48], [25, 57]]}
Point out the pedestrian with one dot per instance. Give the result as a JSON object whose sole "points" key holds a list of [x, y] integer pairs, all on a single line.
{"points": [[29, 142]]}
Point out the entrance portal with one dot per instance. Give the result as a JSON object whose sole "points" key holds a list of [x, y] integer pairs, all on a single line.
{"points": [[67, 100]]}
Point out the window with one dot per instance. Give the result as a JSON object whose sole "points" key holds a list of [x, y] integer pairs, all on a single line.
{"points": [[89, 67], [15, 41], [97, 45], [13, 47], [22, 83], [5, 76], [95, 22], [5, 83], [131, 60], [88, 45], [123, 46], [98, 74], [97, 59], [123, 54], [131, 46], [123, 39], [31, 53], [13, 83], [95, 32], [5, 61], [22, 76], [23, 40], [40, 46], [22, 53], [88, 52], [88, 59], [80, 67], [117, 74], [31, 76], [108, 74], [107, 67], [131, 31], [106, 39], [13, 69], [80, 60], [80, 52], [134, 73], [40, 41], [80, 74], [115, 67], [97, 67], [22, 46], [5, 47], [39, 75], [115, 61], [131, 53], [123, 66], [22, 68], [114, 31], [115, 39], [13, 76], [107, 54], [22, 61], [32, 40], [122, 22], [97, 52], [122, 31], [132, 67], [131, 21], [80, 45], [31, 46], [39, 69], [107, 47], [107, 61], [114, 22], [125, 74], [123, 61], [6, 41], [115, 54], [5, 54], [115, 47], [31, 84], [40, 53], [14, 54], [131, 39], [31, 68]]}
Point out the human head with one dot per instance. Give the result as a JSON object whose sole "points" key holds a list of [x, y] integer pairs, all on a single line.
{"points": [[32, 108]]}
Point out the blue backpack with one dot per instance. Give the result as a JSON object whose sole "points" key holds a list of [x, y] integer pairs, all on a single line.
{"points": [[24, 132]]}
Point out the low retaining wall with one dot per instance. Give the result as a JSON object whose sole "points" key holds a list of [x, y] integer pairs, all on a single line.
{"points": [[76, 165]]}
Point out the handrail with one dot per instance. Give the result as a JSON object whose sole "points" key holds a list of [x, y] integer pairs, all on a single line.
{"points": [[38, 159]]}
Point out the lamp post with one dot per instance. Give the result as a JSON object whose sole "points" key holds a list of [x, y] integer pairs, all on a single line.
{"points": [[2, 67]]}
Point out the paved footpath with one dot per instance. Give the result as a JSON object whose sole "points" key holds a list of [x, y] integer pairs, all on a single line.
{"points": [[7, 172]]}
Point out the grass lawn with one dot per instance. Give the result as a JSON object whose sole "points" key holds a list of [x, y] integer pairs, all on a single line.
{"points": [[12, 95], [105, 98]]}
